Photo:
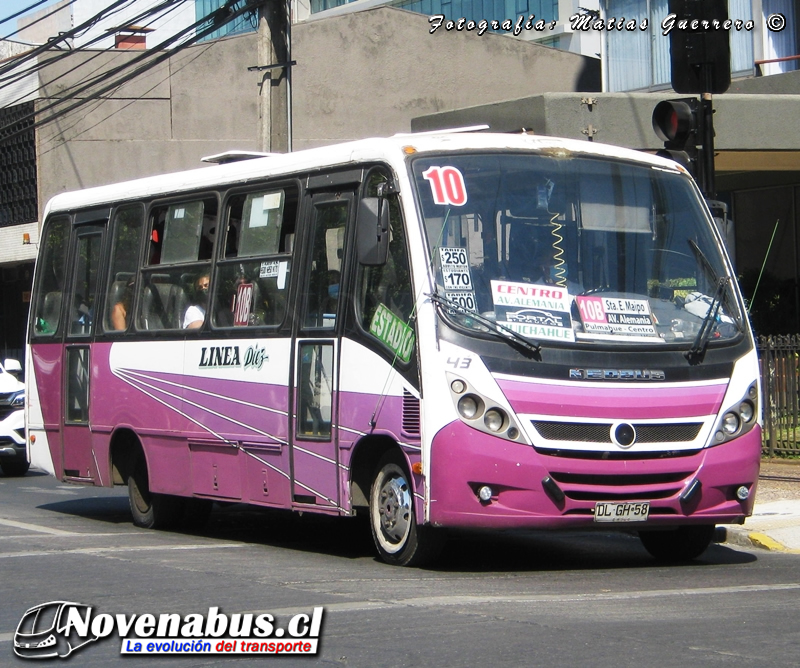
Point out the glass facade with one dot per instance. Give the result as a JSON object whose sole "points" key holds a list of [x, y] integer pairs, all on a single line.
{"points": [[18, 200], [476, 10], [247, 22], [780, 44], [638, 60]]}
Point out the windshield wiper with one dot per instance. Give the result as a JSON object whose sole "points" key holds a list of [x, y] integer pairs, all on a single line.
{"points": [[501, 331], [697, 351]]}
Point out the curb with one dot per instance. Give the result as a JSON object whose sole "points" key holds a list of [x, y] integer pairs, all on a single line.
{"points": [[745, 538]]}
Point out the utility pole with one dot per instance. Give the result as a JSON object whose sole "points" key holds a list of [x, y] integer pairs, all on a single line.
{"points": [[274, 64]]}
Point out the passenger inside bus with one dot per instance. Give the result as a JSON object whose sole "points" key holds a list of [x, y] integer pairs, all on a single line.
{"points": [[196, 313], [121, 304], [332, 302]]}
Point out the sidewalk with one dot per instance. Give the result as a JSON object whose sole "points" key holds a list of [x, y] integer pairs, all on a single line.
{"points": [[775, 524]]}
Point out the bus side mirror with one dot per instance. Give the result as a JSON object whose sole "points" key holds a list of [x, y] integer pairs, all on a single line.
{"points": [[373, 231]]}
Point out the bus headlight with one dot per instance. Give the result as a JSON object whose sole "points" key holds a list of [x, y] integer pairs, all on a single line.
{"points": [[730, 423], [494, 419], [458, 386], [483, 413], [469, 406], [739, 418]]}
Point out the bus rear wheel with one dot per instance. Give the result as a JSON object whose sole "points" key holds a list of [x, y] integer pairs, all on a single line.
{"points": [[682, 544], [399, 539], [149, 510]]}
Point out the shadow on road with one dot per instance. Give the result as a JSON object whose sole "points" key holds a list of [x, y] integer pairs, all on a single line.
{"points": [[349, 538]]}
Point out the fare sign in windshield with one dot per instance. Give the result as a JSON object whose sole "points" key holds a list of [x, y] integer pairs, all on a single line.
{"points": [[616, 316], [534, 311]]}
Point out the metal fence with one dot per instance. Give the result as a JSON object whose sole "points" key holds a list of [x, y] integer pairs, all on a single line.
{"points": [[779, 358]]}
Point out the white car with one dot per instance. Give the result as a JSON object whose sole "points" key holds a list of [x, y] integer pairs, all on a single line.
{"points": [[13, 455]]}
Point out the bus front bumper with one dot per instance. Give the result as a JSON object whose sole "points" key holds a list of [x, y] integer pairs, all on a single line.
{"points": [[532, 490]]}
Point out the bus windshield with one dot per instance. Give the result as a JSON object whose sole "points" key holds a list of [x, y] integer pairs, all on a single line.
{"points": [[567, 249]]}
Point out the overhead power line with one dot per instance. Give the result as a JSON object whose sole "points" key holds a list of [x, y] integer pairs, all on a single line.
{"points": [[153, 14], [62, 37], [215, 19]]}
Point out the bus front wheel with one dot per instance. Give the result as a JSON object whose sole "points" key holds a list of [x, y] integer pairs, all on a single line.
{"points": [[399, 539], [682, 544]]}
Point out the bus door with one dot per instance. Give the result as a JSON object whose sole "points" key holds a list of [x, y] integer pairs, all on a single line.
{"points": [[81, 304], [314, 447]]}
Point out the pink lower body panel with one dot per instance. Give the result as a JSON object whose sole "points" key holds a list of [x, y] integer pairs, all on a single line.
{"points": [[463, 460]]}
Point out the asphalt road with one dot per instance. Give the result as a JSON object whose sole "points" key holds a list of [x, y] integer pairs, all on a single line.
{"points": [[521, 599]]}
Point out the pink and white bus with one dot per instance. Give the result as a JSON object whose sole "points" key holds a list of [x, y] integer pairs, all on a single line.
{"points": [[439, 330]]}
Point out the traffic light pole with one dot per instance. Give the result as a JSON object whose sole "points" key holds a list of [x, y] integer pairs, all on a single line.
{"points": [[709, 184]]}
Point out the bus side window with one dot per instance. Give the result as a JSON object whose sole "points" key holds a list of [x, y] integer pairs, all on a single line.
{"points": [[51, 279], [85, 279], [128, 222], [182, 237], [253, 272], [322, 288]]}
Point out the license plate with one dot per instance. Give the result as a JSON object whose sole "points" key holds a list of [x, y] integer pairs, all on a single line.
{"points": [[621, 512]]}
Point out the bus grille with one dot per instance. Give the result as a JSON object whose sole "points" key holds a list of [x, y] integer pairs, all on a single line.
{"points": [[600, 432], [621, 480], [621, 486]]}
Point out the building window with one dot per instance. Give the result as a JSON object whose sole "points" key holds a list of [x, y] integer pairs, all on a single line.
{"points": [[767, 252], [247, 22], [781, 44], [490, 10], [640, 59], [18, 202]]}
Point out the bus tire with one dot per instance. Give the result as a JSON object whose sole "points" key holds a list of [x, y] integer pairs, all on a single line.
{"points": [[399, 539], [14, 469], [682, 544], [151, 511]]}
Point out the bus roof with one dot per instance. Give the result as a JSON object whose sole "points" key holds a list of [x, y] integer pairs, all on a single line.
{"points": [[390, 149]]}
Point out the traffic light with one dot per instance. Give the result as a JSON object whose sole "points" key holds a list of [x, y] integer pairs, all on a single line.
{"points": [[679, 124]]}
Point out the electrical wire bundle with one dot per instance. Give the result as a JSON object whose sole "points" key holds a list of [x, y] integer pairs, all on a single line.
{"points": [[103, 80]]}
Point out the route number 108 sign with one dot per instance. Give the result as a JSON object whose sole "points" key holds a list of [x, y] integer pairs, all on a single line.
{"points": [[447, 185]]}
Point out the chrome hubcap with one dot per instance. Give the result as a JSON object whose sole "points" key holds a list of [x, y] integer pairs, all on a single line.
{"points": [[395, 509]]}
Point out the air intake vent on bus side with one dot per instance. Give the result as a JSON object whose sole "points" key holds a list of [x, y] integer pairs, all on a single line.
{"points": [[410, 414]]}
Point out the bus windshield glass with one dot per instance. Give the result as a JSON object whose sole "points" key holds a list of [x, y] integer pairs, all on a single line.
{"points": [[576, 250]]}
